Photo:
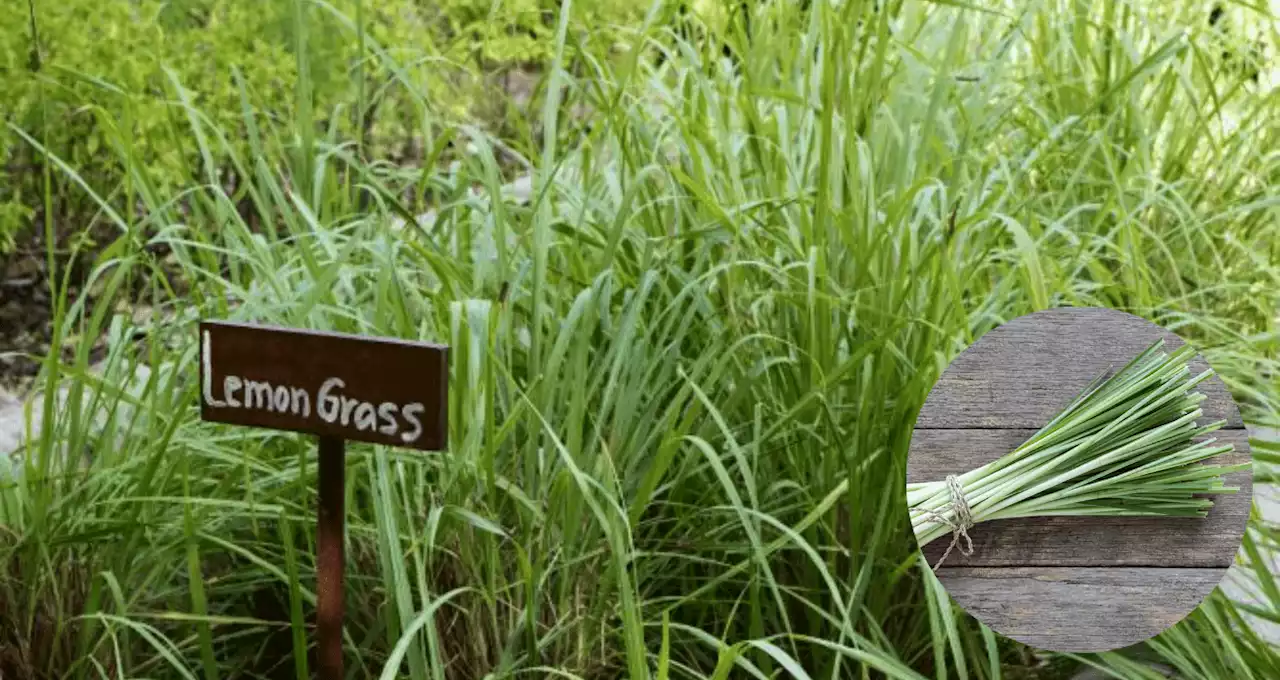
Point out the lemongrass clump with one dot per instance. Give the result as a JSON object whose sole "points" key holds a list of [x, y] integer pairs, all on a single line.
{"points": [[1124, 447]]}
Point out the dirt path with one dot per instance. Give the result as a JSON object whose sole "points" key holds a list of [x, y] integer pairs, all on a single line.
{"points": [[25, 320]]}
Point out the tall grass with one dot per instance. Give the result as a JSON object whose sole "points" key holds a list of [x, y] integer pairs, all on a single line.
{"points": [[685, 373]]}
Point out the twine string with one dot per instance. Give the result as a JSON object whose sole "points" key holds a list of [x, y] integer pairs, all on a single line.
{"points": [[960, 524]]}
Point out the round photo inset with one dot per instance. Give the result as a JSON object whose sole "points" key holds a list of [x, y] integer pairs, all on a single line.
{"points": [[1078, 480]]}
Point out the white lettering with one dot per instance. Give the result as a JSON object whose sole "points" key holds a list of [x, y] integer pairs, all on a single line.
{"points": [[207, 362], [301, 402], [366, 417], [327, 406], [348, 405], [282, 399], [260, 390], [387, 412], [388, 418], [409, 412], [229, 386]]}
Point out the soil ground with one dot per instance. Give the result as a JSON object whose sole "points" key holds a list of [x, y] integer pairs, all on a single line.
{"points": [[25, 317]]}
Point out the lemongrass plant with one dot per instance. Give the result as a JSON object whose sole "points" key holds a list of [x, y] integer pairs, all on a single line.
{"points": [[1124, 447]]}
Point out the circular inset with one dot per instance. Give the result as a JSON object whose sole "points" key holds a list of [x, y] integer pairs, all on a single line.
{"points": [[1059, 558]]}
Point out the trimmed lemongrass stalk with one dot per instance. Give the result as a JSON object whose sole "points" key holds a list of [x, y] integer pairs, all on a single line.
{"points": [[1124, 447]]}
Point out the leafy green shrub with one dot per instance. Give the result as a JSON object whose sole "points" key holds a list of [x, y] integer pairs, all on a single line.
{"points": [[95, 92]]}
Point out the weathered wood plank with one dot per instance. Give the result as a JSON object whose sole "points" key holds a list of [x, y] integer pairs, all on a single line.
{"points": [[1074, 609], [1065, 583], [1023, 373]]}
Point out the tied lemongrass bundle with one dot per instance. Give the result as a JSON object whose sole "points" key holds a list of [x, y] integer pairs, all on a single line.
{"points": [[1124, 447]]}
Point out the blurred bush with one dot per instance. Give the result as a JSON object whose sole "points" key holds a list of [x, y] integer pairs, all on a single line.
{"points": [[108, 76]]}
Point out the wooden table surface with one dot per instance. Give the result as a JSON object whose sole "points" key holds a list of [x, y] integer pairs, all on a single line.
{"points": [[1068, 583]]}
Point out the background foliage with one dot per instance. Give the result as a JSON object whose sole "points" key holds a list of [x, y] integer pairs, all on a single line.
{"points": [[696, 287], [103, 82]]}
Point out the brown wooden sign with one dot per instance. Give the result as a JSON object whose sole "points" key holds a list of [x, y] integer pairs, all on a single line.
{"points": [[338, 387], [377, 390]]}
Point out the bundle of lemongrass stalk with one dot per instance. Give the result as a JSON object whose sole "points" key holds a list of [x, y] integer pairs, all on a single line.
{"points": [[1124, 447]]}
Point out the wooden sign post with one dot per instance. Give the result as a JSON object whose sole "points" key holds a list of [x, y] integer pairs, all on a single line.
{"points": [[337, 387]]}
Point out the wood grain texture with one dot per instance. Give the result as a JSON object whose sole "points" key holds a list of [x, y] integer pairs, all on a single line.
{"points": [[1023, 373], [1069, 583], [1080, 609], [387, 390]]}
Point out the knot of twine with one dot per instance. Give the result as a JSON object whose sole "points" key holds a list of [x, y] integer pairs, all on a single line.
{"points": [[960, 525]]}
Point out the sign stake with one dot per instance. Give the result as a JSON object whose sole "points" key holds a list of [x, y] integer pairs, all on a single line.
{"points": [[338, 387], [329, 558]]}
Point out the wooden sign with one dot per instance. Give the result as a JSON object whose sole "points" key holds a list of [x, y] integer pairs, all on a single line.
{"points": [[377, 390], [337, 387]]}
